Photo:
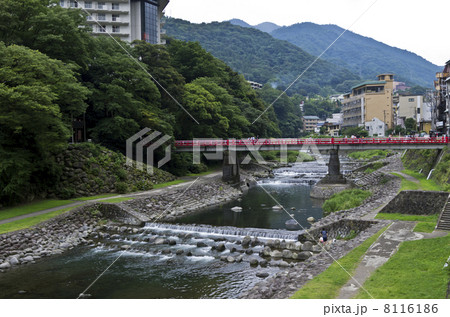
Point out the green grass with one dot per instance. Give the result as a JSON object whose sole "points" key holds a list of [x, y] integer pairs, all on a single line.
{"points": [[426, 223], [404, 217], [116, 200], [327, 284], [427, 227], [95, 197], [32, 207], [367, 155], [31, 221], [346, 199], [406, 184], [175, 182], [415, 271], [425, 184]]}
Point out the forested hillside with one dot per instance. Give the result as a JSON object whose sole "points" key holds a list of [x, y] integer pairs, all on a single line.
{"points": [[262, 58], [52, 71], [362, 55]]}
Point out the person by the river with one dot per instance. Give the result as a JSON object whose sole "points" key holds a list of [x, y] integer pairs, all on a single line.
{"points": [[324, 236]]}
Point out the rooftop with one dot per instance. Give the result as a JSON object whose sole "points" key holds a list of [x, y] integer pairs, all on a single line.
{"points": [[311, 117], [371, 82]]}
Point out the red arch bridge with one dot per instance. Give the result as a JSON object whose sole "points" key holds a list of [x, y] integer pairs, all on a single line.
{"points": [[328, 145]]}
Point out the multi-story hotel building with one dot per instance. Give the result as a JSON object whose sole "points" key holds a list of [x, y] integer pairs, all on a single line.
{"points": [[128, 19], [369, 100], [310, 123]]}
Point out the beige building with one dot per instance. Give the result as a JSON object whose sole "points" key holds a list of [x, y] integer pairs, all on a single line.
{"points": [[310, 123], [369, 100], [410, 107]]}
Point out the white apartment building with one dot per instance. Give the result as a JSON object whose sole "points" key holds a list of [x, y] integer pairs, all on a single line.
{"points": [[128, 19]]}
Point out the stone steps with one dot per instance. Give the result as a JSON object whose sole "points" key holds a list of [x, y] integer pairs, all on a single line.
{"points": [[444, 220]]}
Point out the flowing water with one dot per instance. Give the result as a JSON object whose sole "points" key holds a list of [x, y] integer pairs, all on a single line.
{"points": [[149, 270]]}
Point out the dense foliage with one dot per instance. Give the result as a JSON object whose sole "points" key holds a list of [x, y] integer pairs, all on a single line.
{"points": [[53, 71], [346, 199], [362, 55], [262, 58]]}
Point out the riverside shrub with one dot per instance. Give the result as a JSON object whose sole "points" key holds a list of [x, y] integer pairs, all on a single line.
{"points": [[345, 200]]}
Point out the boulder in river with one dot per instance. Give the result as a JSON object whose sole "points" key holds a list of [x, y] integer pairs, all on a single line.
{"points": [[292, 224], [310, 219], [237, 209]]}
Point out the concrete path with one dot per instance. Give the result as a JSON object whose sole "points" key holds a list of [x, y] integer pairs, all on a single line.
{"points": [[189, 181], [382, 249], [378, 254], [408, 177]]}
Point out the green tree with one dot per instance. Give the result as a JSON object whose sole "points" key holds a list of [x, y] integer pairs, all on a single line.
{"points": [[45, 26], [411, 125], [124, 98], [31, 127], [356, 131]]}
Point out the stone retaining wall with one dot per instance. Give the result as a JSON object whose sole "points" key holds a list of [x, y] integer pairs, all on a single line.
{"points": [[339, 229], [417, 202]]}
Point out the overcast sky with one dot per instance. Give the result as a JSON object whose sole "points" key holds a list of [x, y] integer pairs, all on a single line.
{"points": [[422, 27]]}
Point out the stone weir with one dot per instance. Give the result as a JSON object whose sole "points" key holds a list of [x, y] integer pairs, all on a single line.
{"points": [[224, 232], [417, 202]]}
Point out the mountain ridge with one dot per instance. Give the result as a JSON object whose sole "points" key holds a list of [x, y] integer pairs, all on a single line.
{"points": [[351, 48], [262, 58]]}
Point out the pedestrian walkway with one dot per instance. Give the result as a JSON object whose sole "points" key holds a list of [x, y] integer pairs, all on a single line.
{"points": [[380, 252], [189, 181], [408, 177]]}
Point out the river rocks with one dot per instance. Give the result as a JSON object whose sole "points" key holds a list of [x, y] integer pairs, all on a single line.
{"points": [[160, 241], [262, 274], [246, 241], [125, 247], [28, 258], [166, 251], [277, 208], [249, 251], [316, 248], [307, 246], [287, 254], [179, 252], [304, 255], [221, 247], [292, 224], [230, 259], [236, 209], [172, 242], [254, 262], [310, 219], [266, 251], [239, 258], [201, 245], [276, 254], [5, 265], [13, 260], [263, 263]]}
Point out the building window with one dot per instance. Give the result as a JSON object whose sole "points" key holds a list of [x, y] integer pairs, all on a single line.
{"points": [[411, 100], [116, 29], [73, 4], [116, 6], [101, 5], [88, 4], [115, 17], [150, 19], [61, 3], [101, 17], [102, 28]]}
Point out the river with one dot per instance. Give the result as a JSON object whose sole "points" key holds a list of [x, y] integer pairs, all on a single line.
{"points": [[147, 270]]}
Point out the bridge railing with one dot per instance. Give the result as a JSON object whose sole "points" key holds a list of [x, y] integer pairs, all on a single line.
{"points": [[325, 141]]}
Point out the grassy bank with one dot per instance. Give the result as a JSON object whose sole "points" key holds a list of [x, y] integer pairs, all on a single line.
{"points": [[425, 223], [31, 221], [292, 156], [32, 207], [327, 284], [415, 271], [367, 155], [346, 199]]}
